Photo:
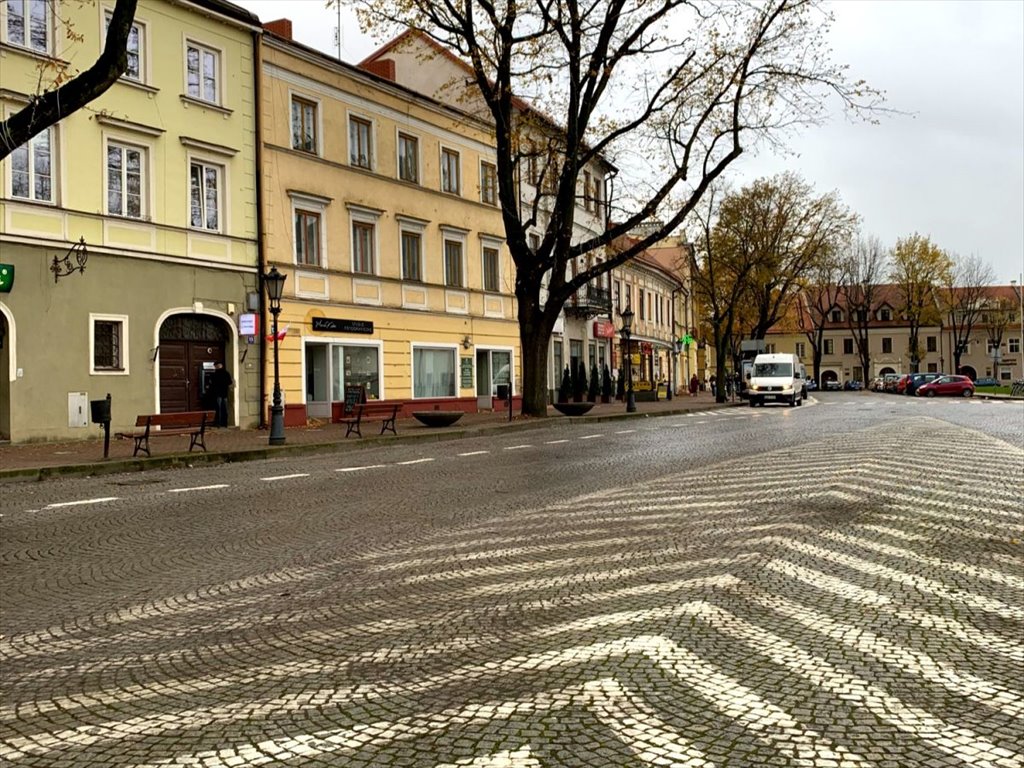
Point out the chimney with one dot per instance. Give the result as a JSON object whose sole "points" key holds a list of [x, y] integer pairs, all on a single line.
{"points": [[382, 68], [280, 27]]}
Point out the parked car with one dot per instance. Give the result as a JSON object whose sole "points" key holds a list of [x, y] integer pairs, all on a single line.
{"points": [[960, 386], [833, 386], [876, 384], [852, 386], [917, 379], [989, 382], [811, 385], [889, 382], [901, 384]]}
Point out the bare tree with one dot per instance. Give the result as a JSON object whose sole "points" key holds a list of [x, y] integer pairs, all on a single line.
{"points": [[862, 270], [823, 291], [52, 106], [919, 268], [675, 90], [963, 300], [996, 317]]}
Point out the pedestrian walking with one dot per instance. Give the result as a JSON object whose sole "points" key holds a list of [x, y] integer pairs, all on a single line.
{"points": [[221, 383], [693, 385]]}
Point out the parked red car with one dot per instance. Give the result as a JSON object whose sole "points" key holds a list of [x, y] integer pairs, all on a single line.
{"points": [[961, 386], [901, 383]]}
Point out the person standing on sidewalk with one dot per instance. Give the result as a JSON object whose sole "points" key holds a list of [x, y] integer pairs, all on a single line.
{"points": [[693, 385], [221, 383]]}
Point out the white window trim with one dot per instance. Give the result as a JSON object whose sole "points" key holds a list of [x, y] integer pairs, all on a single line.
{"points": [[486, 161], [331, 341], [442, 148], [417, 227], [221, 99], [145, 63], [303, 96], [148, 183], [511, 362], [399, 132], [56, 169], [51, 34], [93, 370], [223, 194], [373, 144], [459, 236], [454, 348], [365, 216], [496, 244], [313, 204]]}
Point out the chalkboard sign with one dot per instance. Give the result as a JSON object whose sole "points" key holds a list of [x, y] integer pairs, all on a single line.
{"points": [[354, 393], [466, 371]]}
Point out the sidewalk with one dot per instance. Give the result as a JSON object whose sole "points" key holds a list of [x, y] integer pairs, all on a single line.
{"points": [[37, 461]]}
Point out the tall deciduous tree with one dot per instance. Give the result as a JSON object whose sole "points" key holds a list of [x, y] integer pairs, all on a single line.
{"points": [[963, 300], [998, 312], [66, 97], [863, 269], [919, 268], [822, 292], [675, 90]]}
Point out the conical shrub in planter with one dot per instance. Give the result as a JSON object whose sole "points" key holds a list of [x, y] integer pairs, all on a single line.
{"points": [[580, 383], [606, 385], [620, 386], [595, 385], [565, 388]]}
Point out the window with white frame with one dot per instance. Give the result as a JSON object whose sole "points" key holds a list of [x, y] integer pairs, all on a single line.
{"points": [[1005, 375], [450, 172], [491, 268], [454, 274], [828, 346], [108, 343], [126, 180], [885, 314], [408, 158], [412, 254], [304, 125], [360, 142], [992, 345], [801, 349], [488, 183], [32, 168], [307, 237], [205, 185], [202, 72], [30, 25], [433, 372], [847, 346], [1013, 346], [836, 316], [364, 237], [136, 49]]}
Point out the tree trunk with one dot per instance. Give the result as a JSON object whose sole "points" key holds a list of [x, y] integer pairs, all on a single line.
{"points": [[721, 351]]}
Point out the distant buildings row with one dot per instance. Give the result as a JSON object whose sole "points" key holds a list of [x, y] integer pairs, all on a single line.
{"points": [[228, 148]]}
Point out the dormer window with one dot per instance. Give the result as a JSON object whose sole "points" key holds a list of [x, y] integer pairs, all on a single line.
{"points": [[885, 314], [836, 316]]}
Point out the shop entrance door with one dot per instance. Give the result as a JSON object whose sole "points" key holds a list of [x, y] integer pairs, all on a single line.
{"points": [[189, 345], [318, 381]]}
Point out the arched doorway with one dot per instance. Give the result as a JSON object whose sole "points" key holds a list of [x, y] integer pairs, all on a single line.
{"points": [[968, 370], [190, 344], [6, 365], [886, 371], [826, 377]]}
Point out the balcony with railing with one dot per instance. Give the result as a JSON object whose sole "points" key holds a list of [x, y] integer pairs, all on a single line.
{"points": [[590, 301]]}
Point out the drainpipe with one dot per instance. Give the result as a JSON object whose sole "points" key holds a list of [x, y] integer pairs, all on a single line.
{"points": [[261, 259]]}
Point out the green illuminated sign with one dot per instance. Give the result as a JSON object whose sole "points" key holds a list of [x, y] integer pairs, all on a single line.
{"points": [[6, 278]]}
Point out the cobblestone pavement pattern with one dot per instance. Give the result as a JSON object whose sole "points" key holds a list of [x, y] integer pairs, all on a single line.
{"points": [[852, 600]]}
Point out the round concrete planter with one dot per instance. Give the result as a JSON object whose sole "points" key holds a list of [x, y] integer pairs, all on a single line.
{"points": [[437, 418], [573, 409]]}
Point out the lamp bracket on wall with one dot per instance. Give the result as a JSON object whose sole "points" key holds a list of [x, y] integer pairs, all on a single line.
{"points": [[63, 267]]}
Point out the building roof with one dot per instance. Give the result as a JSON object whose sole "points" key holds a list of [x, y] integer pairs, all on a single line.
{"points": [[225, 8]]}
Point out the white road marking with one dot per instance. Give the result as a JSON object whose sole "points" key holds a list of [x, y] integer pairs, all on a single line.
{"points": [[285, 477], [358, 469], [199, 488], [555, 442], [414, 461], [702, 421], [83, 501], [474, 453], [625, 432], [517, 447], [590, 437]]}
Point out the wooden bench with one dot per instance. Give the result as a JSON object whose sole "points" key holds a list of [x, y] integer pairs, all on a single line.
{"points": [[386, 412], [192, 423]]}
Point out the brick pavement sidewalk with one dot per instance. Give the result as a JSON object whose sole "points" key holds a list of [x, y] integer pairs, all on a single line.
{"points": [[40, 460]]}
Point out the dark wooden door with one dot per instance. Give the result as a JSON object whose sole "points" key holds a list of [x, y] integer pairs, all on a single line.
{"points": [[186, 343]]}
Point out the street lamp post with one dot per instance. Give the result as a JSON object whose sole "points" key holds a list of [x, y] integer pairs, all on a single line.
{"points": [[627, 327], [273, 281]]}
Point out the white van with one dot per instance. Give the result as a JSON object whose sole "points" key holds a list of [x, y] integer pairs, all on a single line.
{"points": [[777, 378]]}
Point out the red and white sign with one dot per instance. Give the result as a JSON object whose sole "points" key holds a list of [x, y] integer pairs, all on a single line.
{"points": [[248, 324], [604, 329]]}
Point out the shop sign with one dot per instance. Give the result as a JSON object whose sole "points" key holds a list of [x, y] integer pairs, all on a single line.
{"points": [[646, 347], [6, 278], [337, 325], [604, 329], [248, 324], [635, 359], [466, 372]]}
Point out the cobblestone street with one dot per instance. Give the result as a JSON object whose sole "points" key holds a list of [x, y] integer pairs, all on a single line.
{"points": [[835, 585]]}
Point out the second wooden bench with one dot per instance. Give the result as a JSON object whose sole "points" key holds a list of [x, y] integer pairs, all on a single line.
{"points": [[386, 412]]}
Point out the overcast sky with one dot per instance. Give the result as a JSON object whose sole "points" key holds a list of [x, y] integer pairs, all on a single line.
{"points": [[953, 168]]}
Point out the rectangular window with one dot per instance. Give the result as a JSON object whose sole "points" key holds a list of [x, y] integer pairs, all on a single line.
{"points": [[450, 181], [828, 346], [307, 238], [362, 247], [491, 266], [125, 180], [488, 184], [931, 344], [360, 143], [453, 264], [992, 346], [204, 195], [412, 249], [108, 344], [886, 345], [885, 315], [847, 346], [28, 24], [304, 127], [202, 67], [617, 298], [32, 168], [835, 316], [933, 367], [433, 372], [1005, 375], [1013, 346], [135, 51], [408, 158], [355, 366], [597, 197], [801, 349], [587, 200]]}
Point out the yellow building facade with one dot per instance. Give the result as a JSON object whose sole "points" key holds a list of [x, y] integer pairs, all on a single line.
{"points": [[155, 181], [380, 207]]}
